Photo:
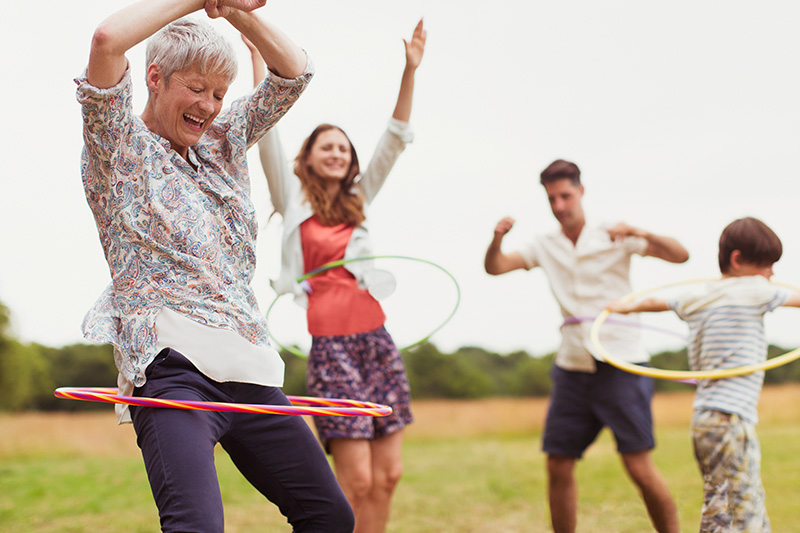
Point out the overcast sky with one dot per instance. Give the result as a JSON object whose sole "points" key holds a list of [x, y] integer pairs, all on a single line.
{"points": [[682, 116]]}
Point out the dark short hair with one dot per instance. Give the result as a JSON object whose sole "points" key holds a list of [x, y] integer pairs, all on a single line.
{"points": [[559, 170], [758, 244]]}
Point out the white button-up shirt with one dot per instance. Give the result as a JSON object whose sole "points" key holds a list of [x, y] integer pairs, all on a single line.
{"points": [[584, 278]]}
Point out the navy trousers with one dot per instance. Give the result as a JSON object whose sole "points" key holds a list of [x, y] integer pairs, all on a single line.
{"points": [[277, 454]]}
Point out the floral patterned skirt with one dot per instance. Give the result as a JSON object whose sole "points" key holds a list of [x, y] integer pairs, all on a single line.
{"points": [[362, 366]]}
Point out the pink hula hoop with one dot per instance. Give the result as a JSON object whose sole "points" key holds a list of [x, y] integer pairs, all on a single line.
{"points": [[301, 405]]}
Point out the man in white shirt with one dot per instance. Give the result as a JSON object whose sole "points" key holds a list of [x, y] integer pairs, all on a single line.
{"points": [[587, 267]]}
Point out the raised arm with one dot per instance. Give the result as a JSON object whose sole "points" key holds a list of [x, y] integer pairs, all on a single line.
{"points": [[259, 69], [399, 133], [414, 51], [125, 29], [282, 56], [665, 248], [133, 24], [270, 151], [496, 262]]}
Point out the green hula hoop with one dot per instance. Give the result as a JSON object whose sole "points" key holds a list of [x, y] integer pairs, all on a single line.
{"points": [[594, 335], [340, 262]]}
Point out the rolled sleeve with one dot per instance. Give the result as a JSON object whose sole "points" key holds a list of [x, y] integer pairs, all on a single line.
{"points": [[391, 144], [272, 99], [402, 130], [107, 119]]}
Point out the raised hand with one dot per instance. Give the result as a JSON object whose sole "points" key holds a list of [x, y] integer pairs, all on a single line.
{"points": [[504, 226], [416, 47], [222, 8], [623, 230]]}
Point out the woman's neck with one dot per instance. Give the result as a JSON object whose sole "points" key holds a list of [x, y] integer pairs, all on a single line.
{"points": [[332, 187]]}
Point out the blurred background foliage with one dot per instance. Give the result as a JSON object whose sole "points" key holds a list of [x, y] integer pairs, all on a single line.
{"points": [[30, 372]]}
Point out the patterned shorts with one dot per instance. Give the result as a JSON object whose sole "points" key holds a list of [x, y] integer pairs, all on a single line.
{"points": [[362, 366], [729, 455]]}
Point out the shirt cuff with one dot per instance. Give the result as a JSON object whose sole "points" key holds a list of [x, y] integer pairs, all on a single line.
{"points": [[84, 86], [303, 78], [401, 129]]}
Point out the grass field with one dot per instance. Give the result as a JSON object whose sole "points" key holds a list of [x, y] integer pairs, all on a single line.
{"points": [[470, 466]]}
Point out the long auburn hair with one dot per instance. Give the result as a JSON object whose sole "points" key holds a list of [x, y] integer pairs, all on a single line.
{"points": [[347, 206]]}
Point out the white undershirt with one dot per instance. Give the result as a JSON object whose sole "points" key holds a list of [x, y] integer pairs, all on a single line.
{"points": [[220, 354]]}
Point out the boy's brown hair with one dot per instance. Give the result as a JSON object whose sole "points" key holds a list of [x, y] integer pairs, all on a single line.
{"points": [[756, 242]]}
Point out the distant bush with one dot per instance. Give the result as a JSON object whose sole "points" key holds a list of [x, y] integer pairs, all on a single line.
{"points": [[30, 372]]}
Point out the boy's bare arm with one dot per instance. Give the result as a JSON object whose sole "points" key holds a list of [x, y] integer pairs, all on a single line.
{"points": [[793, 300], [649, 305]]}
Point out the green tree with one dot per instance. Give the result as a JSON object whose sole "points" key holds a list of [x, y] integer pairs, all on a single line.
{"points": [[433, 374], [23, 370], [24, 377], [78, 365], [294, 379], [530, 375]]}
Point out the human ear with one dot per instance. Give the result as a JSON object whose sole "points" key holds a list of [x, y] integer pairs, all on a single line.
{"points": [[736, 259], [153, 77]]}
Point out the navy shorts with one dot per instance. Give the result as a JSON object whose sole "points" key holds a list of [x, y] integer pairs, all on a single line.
{"points": [[362, 366], [581, 404]]}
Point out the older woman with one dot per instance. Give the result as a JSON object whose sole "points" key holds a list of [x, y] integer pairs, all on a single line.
{"points": [[170, 194], [323, 199]]}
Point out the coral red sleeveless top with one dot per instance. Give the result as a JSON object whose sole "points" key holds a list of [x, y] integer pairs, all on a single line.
{"points": [[336, 304]]}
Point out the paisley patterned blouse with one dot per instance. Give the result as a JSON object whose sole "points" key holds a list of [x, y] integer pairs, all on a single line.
{"points": [[174, 236]]}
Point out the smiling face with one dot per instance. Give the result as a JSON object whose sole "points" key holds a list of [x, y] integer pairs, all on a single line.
{"points": [[330, 156], [182, 108]]}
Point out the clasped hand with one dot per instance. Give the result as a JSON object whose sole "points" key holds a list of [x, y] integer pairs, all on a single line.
{"points": [[222, 8]]}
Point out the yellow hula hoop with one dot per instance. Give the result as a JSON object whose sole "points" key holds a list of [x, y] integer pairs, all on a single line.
{"points": [[594, 335]]}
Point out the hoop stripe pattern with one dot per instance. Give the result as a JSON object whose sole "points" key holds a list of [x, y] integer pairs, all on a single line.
{"points": [[301, 405], [341, 262], [594, 335]]}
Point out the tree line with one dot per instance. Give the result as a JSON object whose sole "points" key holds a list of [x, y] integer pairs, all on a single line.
{"points": [[30, 372]]}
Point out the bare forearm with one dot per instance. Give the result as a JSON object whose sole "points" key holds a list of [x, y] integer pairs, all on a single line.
{"points": [[648, 305], [793, 300], [493, 255], [652, 305], [125, 29], [496, 262], [415, 49], [665, 248], [282, 56], [259, 69], [402, 110]]}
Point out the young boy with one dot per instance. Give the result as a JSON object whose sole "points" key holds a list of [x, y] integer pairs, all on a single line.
{"points": [[725, 319]]}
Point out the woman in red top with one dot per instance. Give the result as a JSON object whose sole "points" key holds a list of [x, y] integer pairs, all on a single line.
{"points": [[322, 199]]}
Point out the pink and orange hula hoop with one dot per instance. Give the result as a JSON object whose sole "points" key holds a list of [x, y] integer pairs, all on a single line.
{"points": [[301, 405]]}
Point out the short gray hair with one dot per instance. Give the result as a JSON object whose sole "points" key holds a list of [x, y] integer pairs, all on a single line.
{"points": [[190, 42]]}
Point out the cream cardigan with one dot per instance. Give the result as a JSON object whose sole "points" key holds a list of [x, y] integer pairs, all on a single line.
{"points": [[288, 200]]}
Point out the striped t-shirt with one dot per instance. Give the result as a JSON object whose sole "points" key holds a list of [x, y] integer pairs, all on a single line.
{"points": [[726, 328]]}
